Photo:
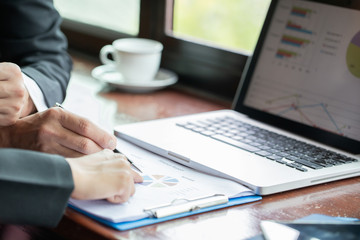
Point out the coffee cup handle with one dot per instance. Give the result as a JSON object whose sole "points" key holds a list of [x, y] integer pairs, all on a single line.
{"points": [[104, 53]]}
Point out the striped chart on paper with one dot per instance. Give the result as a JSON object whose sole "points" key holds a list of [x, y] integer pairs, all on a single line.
{"points": [[159, 181]]}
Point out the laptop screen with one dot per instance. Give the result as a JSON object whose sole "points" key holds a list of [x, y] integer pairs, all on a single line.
{"points": [[304, 75]]}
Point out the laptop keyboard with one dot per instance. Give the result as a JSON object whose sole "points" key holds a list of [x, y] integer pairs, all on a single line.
{"points": [[284, 150]]}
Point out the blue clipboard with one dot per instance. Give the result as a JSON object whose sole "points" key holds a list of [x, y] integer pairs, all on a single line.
{"points": [[122, 226]]}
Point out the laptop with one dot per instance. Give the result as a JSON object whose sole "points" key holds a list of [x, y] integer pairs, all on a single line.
{"points": [[295, 119]]}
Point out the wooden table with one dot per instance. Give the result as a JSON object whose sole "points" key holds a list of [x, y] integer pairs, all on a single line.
{"points": [[340, 198]]}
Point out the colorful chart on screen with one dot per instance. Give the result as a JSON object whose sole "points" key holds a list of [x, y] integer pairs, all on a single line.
{"points": [[159, 181], [353, 56], [308, 69]]}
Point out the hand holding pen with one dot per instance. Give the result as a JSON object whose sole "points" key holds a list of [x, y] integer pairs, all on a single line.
{"points": [[115, 150], [132, 164]]}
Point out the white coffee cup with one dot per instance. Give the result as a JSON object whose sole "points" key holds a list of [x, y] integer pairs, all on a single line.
{"points": [[137, 59]]}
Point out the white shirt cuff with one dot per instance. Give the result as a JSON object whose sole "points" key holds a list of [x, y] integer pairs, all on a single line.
{"points": [[35, 93]]}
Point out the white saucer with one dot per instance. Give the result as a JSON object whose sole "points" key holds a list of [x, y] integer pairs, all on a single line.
{"points": [[108, 74]]}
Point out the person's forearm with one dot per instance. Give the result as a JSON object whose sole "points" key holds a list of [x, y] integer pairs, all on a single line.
{"points": [[35, 187]]}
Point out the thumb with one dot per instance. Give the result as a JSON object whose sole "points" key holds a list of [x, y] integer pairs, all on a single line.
{"points": [[137, 177], [116, 199]]}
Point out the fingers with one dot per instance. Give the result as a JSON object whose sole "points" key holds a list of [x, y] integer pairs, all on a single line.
{"points": [[124, 194], [70, 131], [7, 118], [78, 143], [137, 177], [89, 130], [56, 138], [104, 175], [11, 81], [55, 130], [9, 70], [10, 111], [65, 151], [127, 178], [13, 94]]}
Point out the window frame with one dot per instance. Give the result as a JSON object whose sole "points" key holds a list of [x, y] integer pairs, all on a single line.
{"points": [[88, 38], [203, 67]]}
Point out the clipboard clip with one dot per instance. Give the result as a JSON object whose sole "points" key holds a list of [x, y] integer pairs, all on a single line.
{"points": [[186, 205]]}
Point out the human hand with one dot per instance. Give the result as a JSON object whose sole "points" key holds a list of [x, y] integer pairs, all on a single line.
{"points": [[15, 101], [103, 175], [56, 131]]}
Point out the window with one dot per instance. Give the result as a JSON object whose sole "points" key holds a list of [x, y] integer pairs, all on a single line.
{"points": [[91, 24], [206, 42], [117, 15], [231, 24]]}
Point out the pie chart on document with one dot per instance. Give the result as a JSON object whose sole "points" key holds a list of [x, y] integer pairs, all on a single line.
{"points": [[108, 74]]}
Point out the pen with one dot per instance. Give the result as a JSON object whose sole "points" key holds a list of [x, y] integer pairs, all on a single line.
{"points": [[115, 150], [132, 164], [59, 105]]}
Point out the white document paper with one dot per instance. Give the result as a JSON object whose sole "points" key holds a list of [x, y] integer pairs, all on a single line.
{"points": [[164, 182], [83, 100]]}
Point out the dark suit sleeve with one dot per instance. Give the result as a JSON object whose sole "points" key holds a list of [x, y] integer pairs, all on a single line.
{"points": [[30, 36], [34, 187]]}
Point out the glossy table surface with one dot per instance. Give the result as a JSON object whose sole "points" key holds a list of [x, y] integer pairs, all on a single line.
{"points": [[340, 198]]}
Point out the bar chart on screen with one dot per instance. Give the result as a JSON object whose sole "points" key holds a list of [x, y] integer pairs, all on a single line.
{"points": [[298, 35]]}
